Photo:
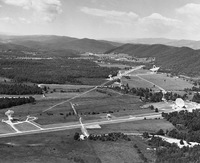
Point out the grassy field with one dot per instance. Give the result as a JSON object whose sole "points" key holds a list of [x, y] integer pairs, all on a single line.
{"points": [[140, 71], [117, 152], [5, 128], [103, 105], [121, 66], [26, 127], [162, 106], [140, 126], [61, 147], [138, 83], [168, 83], [94, 105]]}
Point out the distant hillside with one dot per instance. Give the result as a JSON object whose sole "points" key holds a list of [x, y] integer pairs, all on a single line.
{"points": [[13, 47], [59, 43], [187, 43], [112, 43], [89, 45], [182, 60], [171, 42]]}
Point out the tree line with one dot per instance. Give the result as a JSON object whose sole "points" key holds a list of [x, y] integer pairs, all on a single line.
{"points": [[166, 152], [19, 89], [9, 102], [54, 71], [148, 95], [114, 136]]}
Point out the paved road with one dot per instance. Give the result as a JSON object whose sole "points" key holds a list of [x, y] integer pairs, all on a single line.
{"points": [[88, 123]]}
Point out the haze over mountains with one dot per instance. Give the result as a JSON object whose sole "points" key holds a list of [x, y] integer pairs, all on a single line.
{"points": [[58, 43], [171, 42], [180, 60]]}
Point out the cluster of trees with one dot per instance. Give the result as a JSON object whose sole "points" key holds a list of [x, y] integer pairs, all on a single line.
{"points": [[156, 142], [105, 137], [173, 96], [196, 89], [62, 114], [148, 95], [187, 125], [152, 108], [94, 112], [109, 137], [104, 92], [166, 152], [9, 102], [196, 98], [19, 89], [53, 71], [145, 94]]}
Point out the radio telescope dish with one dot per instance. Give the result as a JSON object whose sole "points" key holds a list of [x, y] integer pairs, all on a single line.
{"points": [[179, 102]]}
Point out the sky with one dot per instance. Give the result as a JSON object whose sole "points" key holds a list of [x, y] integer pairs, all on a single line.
{"points": [[102, 19]]}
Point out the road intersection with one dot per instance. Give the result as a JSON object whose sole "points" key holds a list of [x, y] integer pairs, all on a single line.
{"points": [[65, 126], [75, 125]]}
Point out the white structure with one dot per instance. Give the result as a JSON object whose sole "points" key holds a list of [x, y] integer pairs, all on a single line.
{"points": [[121, 74], [82, 137], [108, 116], [110, 77], [163, 98], [179, 104], [9, 114], [154, 69], [83, 129]]}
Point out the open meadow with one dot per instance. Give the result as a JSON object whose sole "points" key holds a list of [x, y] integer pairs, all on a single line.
{"points": [[135, 82], [5, 128], [61, 147], [156, 81], [93, 105], [149, 125], [121, 66], [168, 83]]}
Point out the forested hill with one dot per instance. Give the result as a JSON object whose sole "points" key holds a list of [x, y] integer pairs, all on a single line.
{"points": [[59, 43], [180, 60]]}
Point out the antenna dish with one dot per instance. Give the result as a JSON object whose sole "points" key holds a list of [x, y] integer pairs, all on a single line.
{"points": [[179, 102]]}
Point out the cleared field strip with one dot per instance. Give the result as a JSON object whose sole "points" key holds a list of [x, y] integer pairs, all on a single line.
{"points": [[137, 82], [140, 71], [139, 126], [113, 65], [152, 83], [167, 83], [63, 86]]}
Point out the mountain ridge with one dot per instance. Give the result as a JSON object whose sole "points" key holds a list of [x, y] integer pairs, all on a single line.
{"points": [[52, 42], [180, 60], [171, 42]]}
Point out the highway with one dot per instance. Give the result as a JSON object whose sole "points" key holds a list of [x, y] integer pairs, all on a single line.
{"points": [[88, 123]]}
